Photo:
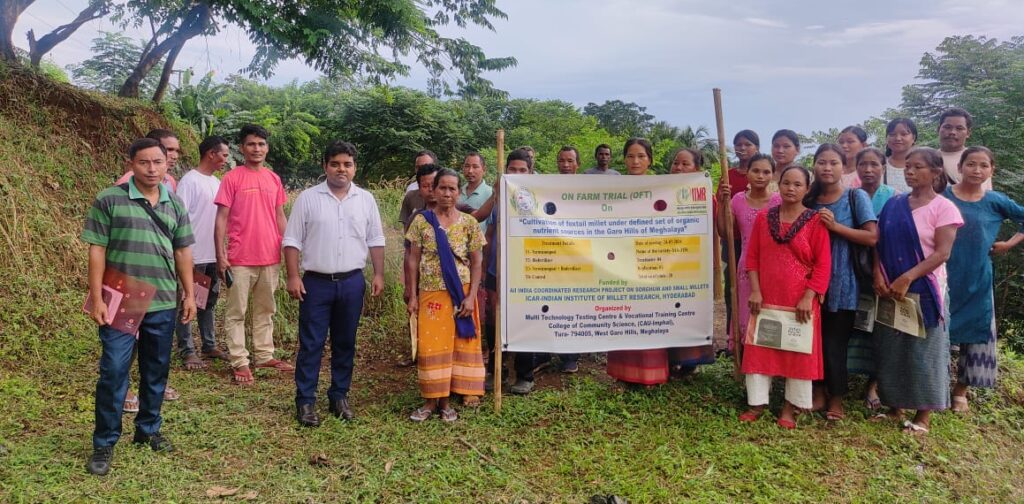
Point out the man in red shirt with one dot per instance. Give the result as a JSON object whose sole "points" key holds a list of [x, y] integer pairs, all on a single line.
{"points": [[250, 216]]}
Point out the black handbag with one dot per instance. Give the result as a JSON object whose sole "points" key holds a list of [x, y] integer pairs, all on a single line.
{"points": [[860, 255]]}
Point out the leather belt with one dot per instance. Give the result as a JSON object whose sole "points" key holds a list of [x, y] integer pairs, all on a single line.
{"points": [[334, 277]]}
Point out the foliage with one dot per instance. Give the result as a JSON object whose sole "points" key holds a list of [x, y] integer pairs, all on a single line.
{"points": [[114, 55], [337, 37], [986, 77], [198, 104], [620, 118]]}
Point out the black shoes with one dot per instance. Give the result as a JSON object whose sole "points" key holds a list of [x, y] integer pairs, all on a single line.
{"points": [[341, 409], [99, 463], [156, 442], [306, 415]]}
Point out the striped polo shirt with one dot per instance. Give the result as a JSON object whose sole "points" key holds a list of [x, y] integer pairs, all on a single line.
{"points": [[135, 245]]}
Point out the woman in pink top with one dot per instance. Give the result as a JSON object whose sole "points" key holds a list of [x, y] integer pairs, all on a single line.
{"points": [[852, 140], [745, 207]]}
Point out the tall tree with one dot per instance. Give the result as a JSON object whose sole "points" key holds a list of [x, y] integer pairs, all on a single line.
{"points": [[114, 57], [39, 48], [10, 11], [338, 37], [621, 118]]}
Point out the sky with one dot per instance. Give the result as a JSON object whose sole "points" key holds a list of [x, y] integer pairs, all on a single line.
{"points": [[801, 64]]}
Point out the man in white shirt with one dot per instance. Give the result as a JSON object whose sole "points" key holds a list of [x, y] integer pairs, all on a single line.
{"points": [[197, 189], [954, 129], [334, 225]]}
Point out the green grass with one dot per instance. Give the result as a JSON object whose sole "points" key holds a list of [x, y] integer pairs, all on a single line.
{"points": [[573, 438]]}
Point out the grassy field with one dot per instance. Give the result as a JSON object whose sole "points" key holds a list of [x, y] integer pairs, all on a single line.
{"points": [[575, 437]]}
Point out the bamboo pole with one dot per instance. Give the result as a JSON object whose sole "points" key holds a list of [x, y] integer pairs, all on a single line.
{"points": [[499, 348], [730, 239]]}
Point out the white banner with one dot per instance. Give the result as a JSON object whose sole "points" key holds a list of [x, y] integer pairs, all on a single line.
{"points": [[599, 263]]}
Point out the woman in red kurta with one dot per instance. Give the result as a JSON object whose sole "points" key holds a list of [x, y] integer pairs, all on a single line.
{"points": [[643, 367], [789, 263]]}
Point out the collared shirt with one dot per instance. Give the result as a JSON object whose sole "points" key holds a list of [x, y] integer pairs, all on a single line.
{"points": [[476, 199], [334, 235], [135, 245], [597, 171], [197, 191]]}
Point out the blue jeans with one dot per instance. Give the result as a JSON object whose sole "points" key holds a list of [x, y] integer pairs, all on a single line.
{"points": [[204, 316], [154, 345], [332, 306]]}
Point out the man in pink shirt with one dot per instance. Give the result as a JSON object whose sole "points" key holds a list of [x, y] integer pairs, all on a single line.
{"points": [[250, 216]]}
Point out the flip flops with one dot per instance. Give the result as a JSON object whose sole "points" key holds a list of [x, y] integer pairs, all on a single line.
{"points": [[914, 428], [421, 414], [242, 376]]}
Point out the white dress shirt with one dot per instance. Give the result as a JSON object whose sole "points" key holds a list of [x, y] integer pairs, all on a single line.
{"points": [[334, 236]]}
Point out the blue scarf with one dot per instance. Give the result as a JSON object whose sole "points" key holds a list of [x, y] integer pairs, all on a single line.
{"points": [[899, 249], [464, 326]]}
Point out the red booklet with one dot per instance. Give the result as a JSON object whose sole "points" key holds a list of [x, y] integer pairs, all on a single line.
{"points": [[127, 299], [201, 285]]}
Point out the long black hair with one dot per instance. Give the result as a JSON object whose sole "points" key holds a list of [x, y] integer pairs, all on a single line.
{"points": [[891, 127], [812, 194]]}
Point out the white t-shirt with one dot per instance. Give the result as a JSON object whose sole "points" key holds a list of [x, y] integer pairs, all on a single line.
{"points": [[197, 191], [951, 162], [894, 178]]}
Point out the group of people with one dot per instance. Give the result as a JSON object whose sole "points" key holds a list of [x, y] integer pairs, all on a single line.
{"points": [[863, 221]]}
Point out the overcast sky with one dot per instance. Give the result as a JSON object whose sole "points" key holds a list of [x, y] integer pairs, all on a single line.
{"points": [[800, 64]]}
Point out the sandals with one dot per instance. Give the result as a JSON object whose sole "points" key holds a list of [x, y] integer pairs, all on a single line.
{"points": [[914, 428], [960, 404], [834, 416], [421, 414], [131, 402], [192, 362], [449, 415], [279, 365], [170, 394], [471, 401], [786, 424], [750, 415], [872, 403], [216, 354], [242, 376]]}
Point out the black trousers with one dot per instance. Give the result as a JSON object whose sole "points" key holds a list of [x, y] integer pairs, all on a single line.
{"points": [[836, 328]]}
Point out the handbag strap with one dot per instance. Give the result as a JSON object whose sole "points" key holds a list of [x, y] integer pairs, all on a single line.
{"points": [[152, 214]]}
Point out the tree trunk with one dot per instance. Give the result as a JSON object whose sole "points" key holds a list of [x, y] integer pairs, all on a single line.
{"points": [[165, 75], [10, 11], [195, 22], [38, 49]]}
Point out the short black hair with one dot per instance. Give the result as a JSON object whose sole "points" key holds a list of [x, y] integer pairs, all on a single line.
{"points": [[425, 170], [568, 148], [483, 162], [957, 112], [143, 144], [160, 134], [603, 146], [340, 147], [209, 143], [520, 155], [425, 152], [252, 129]]}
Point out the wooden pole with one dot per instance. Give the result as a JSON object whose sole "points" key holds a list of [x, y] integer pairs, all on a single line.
{"points": [[725, 210], [499, 348]]}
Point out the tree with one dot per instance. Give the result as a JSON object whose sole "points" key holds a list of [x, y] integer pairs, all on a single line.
{"points": [[10, 11], [621, 118], [199, 104], [114, 56], [339, 37], [39, 48]]}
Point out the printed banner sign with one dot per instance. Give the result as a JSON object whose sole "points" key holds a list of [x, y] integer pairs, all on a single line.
{"points": [[599, 263]]}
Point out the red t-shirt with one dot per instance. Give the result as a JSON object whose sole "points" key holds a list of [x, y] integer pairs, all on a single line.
{"points": [[737, 181], [252, 198]]}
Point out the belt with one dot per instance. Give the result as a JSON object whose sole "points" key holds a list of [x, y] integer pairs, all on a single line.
{"points": [[334, 277]]}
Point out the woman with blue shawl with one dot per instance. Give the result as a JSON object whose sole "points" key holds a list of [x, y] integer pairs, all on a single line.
{"points": [[916, 234], [445, 261]]}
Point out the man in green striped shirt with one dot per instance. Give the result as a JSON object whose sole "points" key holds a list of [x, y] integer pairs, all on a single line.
{"points": [[123, 235]]}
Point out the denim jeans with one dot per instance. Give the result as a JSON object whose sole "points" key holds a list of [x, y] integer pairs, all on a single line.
{"points": [[204, 316], [154, 348], [334, 307]]}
